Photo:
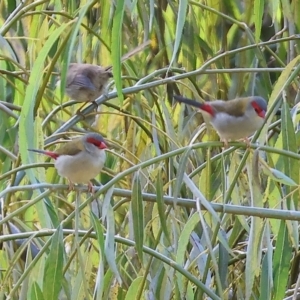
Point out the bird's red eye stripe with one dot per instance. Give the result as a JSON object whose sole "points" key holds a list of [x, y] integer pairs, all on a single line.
{"points": [[260, 112], [97, 143]]}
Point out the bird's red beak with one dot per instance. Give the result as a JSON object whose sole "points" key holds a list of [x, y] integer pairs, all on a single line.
{"points": [[262, 114], [102, 146]]}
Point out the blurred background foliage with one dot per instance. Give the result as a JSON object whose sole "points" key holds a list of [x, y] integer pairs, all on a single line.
{"points": [[175, 217]]}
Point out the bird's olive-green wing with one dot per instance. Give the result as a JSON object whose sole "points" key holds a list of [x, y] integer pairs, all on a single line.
{"points": [[235, 107], [71, 148]]}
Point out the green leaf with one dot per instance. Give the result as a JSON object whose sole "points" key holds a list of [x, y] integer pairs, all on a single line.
{"points": [[116, 42], [253, 259], [281, 263], [223, 260], [285, 78], [161, 205], [275, 7], [265, 286], [266, 278], [254, 250], [291, 165], [99, 232], [108, 215], [180, 172], [134, 289], [278, 176], [137, 212], [53, 272], [26, 126], [183, 242], [36, 292], [258, 18], [183, 5], [99, 284], [6, 49], [70, 46]]}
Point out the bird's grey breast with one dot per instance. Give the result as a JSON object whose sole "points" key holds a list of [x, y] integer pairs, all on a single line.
{"points": [[234, 128]]}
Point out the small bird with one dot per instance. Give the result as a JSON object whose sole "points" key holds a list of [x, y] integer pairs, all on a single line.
{"points": [[86, 82], [234, 119], [80, 159]]}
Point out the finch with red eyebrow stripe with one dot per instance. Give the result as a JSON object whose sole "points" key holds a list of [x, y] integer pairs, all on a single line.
{"points": [[233, 119], [80, 159]]}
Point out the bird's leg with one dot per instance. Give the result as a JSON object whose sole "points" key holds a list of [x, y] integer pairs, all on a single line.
{"points": [[78, 112], [95, 104], [71, 186], [247, 141], [226, 146], [97, 117], [91, 188]]}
